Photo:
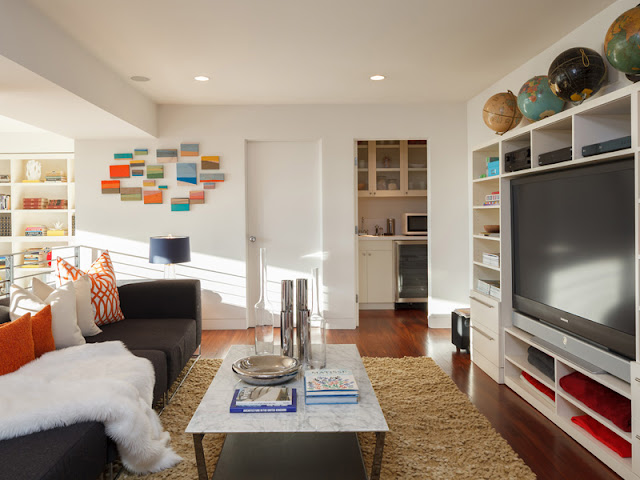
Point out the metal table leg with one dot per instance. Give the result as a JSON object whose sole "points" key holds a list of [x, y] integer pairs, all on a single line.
{"points": [[377, 456], [200, 461]]}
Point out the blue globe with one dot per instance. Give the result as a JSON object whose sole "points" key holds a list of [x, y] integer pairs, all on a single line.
{"points": [[536, 100]]}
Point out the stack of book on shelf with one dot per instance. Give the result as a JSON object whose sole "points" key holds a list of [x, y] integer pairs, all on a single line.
{"points": [[3, 262], [330, 386], [492, 199], [5, 201], [60, 203], [4, 178], [56, 232], [34, 203], [489, 287], [491, 259], [35, 231], [263, 400], [55, 176], [35, 257]]}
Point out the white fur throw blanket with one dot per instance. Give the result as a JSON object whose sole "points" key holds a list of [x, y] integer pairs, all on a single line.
{"points": [[101, 382]]}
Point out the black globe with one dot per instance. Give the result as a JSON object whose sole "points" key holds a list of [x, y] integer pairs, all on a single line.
{"points": [[576, 74]]}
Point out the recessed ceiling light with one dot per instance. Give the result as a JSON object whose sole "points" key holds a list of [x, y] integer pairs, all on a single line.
{"points": [[139, 78], [201, 78], [377, 77]]}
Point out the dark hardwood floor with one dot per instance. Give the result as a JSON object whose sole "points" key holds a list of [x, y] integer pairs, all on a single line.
{"points": [[549, 452]]}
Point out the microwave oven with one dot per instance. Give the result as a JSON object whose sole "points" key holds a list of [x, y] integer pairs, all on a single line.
{"points": [[414, 224]]}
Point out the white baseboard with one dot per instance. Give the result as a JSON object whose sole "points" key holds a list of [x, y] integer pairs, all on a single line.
{"points": [[439, 320], [224, 324]]}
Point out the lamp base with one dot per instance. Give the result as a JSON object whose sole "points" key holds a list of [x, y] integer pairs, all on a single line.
{"points": [[170, 271]]}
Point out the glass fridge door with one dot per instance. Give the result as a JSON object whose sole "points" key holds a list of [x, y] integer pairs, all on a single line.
{"points": [[411, 271]]}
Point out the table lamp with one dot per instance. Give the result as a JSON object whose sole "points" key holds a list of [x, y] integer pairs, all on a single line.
{"points": [[169, 251]]}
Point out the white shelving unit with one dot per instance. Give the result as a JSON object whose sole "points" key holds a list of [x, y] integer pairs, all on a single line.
{"points": [[14, 165], [497, 347]]}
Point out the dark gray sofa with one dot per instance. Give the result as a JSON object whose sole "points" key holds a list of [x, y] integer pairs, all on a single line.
{"points": [[163, 323]]}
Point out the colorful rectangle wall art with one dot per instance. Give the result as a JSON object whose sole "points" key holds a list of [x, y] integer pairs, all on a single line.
{"points": [[167, 155], [189, 149], [196, 197], [164, 187], [122, 156], [210, 163], [139, 152], [136, 163], [179, 204], [110, 186], [119, 171], [209, 185], [131, 194], [137, 172], [155, 171], [186, 173], [152, 196], [211, 177], [148, 183]]}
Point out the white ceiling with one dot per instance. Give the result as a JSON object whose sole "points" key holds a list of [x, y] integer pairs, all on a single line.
{"points": [[311, 51]]}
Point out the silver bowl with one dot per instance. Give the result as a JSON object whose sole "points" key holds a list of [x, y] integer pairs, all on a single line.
{"points": [[266, 369]]}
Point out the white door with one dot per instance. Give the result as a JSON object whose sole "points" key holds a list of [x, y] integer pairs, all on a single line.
{"points": [[284, 215]]}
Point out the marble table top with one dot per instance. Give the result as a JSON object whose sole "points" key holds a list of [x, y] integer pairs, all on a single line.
{"points": [[212, 415]]}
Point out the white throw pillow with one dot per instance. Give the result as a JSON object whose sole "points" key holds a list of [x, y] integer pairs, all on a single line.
{"points": [[64, 325], [84, 308]]}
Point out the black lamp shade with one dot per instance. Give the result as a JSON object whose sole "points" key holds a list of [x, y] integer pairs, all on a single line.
{"points": [[167, 250]]}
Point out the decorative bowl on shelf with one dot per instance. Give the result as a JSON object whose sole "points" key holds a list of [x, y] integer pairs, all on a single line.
{"points": [[492, 228], [266, 369]]}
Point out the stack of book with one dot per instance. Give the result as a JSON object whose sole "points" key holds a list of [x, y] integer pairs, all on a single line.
{"points": [[34, 203], [489, 287], [35, 231], [491, 259], [55, 176], [263, 400], [56, 232], [5, 202], [330, 386], [492, 199], [5, 178], [35, 257], [57, 204]]}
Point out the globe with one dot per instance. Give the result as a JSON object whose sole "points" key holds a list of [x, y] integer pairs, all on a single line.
{"points": [[536, 100], [576, 74], [622, 43], [501, 112]]}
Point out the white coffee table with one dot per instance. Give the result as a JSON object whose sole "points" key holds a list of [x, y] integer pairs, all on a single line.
{"points": [[280, 432]]}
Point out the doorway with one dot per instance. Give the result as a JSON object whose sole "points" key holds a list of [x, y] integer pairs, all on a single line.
{"points": [[283, 215]]}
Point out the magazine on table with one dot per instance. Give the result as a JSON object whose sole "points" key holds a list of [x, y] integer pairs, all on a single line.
{"points": [[263, 400]]}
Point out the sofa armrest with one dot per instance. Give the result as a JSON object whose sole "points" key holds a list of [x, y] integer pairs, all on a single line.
{"points": [[4, 314], [163, 299]]}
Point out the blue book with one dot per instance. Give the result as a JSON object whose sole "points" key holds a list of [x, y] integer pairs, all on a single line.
{"points": [[331, 399], [234, 408]]}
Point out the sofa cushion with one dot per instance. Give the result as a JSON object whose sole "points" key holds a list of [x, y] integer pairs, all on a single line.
{"points": [[43, 341], [78, 452], [16, 344], [159, 361], [176, 337]]}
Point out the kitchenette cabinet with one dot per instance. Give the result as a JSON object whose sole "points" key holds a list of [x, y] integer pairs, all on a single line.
{"points": [[392, 168], [375, 271]]}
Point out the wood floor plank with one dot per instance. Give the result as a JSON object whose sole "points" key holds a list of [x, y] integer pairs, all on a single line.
{"points": [[549, 452]]}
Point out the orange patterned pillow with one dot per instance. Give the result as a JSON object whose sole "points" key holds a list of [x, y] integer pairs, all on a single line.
{"points": [[16, 344], [43, 341], [104, 293]]}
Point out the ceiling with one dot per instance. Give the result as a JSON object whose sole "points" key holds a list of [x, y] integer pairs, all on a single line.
{"points": [[316, 52]]}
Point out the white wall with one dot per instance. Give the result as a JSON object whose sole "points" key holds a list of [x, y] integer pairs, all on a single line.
{"points": [[590, 34], [217, 228]]}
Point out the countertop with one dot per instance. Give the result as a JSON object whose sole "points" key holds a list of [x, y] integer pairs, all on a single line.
{"points": [[392, 237]]}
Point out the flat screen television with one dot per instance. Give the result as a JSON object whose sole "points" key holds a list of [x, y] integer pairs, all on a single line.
{"points": [[573, 252]]}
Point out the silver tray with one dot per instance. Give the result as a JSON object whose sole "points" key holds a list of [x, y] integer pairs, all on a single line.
{"points": [[266, 369]]}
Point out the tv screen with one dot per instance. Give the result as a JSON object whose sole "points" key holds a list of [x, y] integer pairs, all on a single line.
{"points": [[573, 251]]}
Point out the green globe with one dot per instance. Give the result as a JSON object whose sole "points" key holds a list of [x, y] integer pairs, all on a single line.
{"points": [[536, 100], [622, 42]]}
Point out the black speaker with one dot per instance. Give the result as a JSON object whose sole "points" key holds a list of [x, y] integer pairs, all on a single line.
{"points": [[460, 320], [517, 160]]}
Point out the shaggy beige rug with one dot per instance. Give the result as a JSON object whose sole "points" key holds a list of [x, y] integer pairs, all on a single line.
{"points": [[435, 431]]}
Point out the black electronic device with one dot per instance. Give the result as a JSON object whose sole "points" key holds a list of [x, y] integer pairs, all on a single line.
{"points": [[608, 146], [557, 156], [573, 252], [517, 160]]}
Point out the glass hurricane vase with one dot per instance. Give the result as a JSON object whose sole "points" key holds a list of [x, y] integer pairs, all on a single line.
{"points": [[263, 312]]}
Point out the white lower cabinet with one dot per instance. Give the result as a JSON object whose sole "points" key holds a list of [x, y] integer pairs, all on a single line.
{"points": [[375, 271], [485, 337], [635, 417]]}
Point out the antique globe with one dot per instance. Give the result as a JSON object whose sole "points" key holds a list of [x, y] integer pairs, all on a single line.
{"points": [[576, 74], [536, 100], [501, 112], [622, 43]]}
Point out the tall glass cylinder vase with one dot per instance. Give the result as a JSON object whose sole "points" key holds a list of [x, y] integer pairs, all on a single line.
{"points": [[317, 350], [263, 312]]}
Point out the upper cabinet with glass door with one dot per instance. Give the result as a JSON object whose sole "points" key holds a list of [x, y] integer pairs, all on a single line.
{"points": [[392, 168]]}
